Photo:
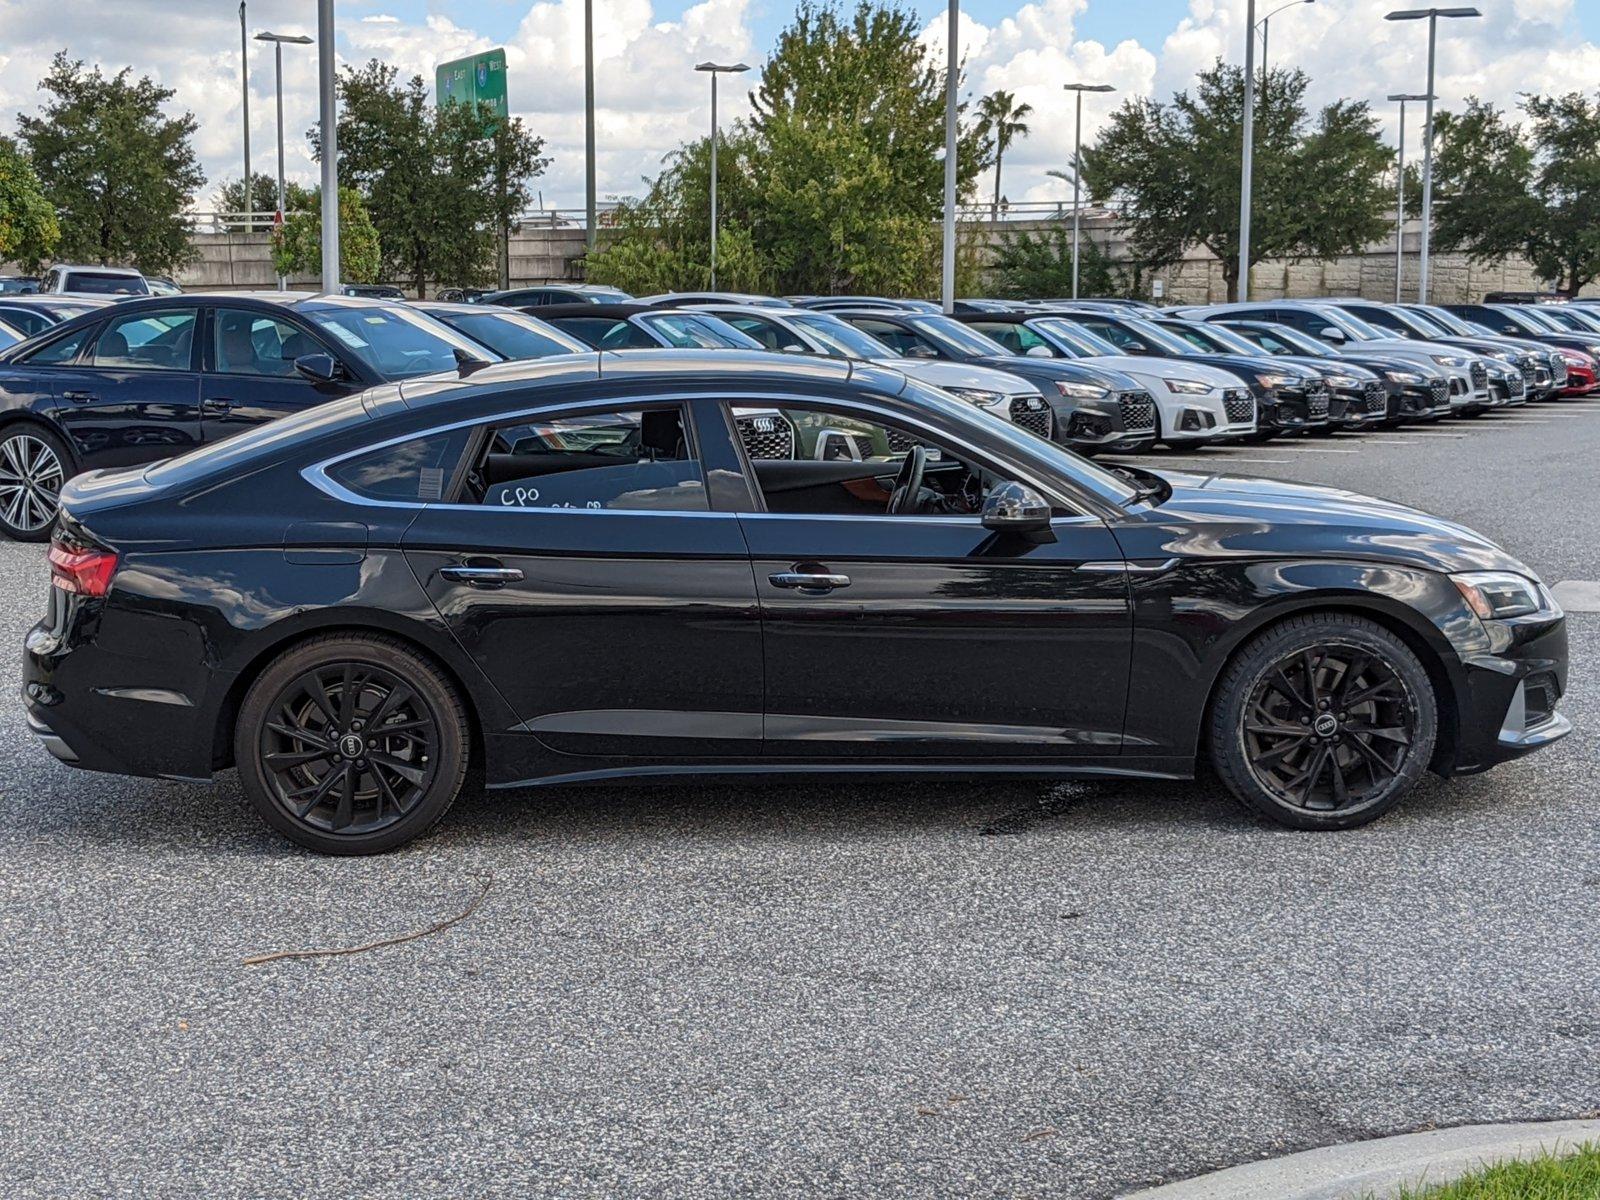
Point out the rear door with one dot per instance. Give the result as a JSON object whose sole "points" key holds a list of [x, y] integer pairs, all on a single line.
{"points": [[248, 371], [133, 395], [583, 569]]}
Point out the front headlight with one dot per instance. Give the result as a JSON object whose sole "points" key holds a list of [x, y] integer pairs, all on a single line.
{"points": [[1187, 387], [1449, 360], [1343, 381], [1402, 377], [978, 396], [1076, 390], [1275, 381], [1505, 356], [1497, 595]]}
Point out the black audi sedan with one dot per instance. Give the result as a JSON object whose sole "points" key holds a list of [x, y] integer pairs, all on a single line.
{"points": [[569, 570], [148, 378]]}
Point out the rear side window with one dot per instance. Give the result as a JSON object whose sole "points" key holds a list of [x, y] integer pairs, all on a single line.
{"points": [[147, 341], [417, 470], [630, 459], [26, 320], [106, 284], [62, 350]]}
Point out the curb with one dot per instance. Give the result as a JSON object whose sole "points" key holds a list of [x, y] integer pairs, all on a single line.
{"points": [[1378, 1166]]}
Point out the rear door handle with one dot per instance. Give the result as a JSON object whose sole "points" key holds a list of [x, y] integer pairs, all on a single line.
{"points": [[808, 581], [218, 405], [481, 577], [79, 397]]}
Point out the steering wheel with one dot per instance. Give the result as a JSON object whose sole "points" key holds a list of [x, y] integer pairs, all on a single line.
{"points": [[908, 484]]}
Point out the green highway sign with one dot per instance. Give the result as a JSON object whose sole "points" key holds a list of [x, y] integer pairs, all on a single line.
{"points": [[480, 79]]}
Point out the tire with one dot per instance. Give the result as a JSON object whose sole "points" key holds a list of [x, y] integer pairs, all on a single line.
{"points": [[300, 750], [1355, 775], [34, 464]]}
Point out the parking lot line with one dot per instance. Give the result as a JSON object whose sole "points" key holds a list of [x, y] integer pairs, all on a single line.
{"points": [[1317, 450], [1387, 442], [1578, 595]]}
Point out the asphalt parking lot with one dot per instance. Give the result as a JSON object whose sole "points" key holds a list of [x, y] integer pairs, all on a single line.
{"points": [[819, 989]]}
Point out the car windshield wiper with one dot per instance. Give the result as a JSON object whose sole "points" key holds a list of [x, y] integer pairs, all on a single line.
{"points": [[1144, 486]]}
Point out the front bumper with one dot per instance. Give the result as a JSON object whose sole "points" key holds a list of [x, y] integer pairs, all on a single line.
{"points": [[1222, 413], [1291, 409], [1507, 706], [1126, 421], [1357, 408], [1419, 401]]}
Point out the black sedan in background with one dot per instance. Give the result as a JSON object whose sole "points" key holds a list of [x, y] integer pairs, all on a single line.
{"points": [[508, 332], [643, 327], [145, 379], [34, 314], [570, 570]]}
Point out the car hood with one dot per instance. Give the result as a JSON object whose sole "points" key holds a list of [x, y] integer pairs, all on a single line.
{"points": [[1254, 366], [1107, 372], [1149, 372], [954, 374], [1245, 516]]}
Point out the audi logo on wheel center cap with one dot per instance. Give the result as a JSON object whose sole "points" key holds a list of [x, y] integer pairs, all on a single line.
{"points": [[1326, 725], [351, 745]]}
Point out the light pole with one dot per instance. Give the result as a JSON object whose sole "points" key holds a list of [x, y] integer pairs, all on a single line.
{"points": [[1433, 15], [947, 272], [1077, 164], [1246, 158], [328, 118], [588, 121], [1400, 194], [277, 40], [244, 77], [715, 69], [1266, 31]]}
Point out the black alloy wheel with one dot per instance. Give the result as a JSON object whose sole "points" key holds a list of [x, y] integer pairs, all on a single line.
{"points": [[1324, 722], [351, 745], [32, 472]]}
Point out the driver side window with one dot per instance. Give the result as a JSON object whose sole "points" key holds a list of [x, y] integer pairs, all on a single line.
{"points": [[844, 464]]}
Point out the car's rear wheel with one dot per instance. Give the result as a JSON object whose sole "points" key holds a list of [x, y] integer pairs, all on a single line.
{"points": [[351, 744], [1324, 721], [33, 468]]}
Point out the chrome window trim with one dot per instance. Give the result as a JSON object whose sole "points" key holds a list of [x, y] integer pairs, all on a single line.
{"points": [[317, 475]]}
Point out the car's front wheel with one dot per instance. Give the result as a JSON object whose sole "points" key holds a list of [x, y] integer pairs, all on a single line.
{"points": [[351, 744], [1324, 721], [33, 468]]}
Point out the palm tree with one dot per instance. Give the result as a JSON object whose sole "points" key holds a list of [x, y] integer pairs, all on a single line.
{"points": [[1001, 118]]}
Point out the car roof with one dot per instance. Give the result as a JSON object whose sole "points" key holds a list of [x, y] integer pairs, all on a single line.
{"points": [[752, 299], [620, 311], [96, 267], [55, 299]]}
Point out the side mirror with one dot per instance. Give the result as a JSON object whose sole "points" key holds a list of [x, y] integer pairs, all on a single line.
{"points": [[1039, 352], [1017, 509], [1332, 333], [920, 351], [319, 368]]}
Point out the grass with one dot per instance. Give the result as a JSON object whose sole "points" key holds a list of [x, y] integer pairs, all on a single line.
{"points": [[1572, 1174]]}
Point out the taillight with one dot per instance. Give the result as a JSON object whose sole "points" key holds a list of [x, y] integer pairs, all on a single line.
{"points": [[80, 570]]}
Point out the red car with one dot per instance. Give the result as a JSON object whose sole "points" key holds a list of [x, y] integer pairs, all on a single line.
{"points": [[1583, 373]]}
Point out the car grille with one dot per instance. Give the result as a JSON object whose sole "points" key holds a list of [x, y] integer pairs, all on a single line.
{"points": [[1534, 369], [1239, 405], [766, 436], [1558, 370], [1375, 396], [1138, 411], [1031, 413], [1514, 384], [1439, 392], [1317, 399], [899, 443], [1480, 377]]}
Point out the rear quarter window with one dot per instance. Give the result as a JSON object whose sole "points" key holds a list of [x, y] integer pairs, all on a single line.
{"points": [[415, 471]]}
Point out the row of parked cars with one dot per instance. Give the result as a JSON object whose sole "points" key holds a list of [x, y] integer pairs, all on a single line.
{"points": [[88, 381]]}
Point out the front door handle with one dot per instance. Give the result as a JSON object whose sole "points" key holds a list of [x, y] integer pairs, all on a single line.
{"points": [[217, 407], [481, 577], [80, 397], [809, 581]]}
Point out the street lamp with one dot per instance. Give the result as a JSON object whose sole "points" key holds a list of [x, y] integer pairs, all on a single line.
{"points": [[1266, 30], [715, 69], [952, 70], [277, 40], [1077, 164], [1246, 156], [1400, 193], [328, 119], [591, 234], [244, 83], [1433, 15]]}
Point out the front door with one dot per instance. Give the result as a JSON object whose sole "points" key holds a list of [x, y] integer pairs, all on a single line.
{"points": [[926, 636], [582, 568], [249, 374], [134, 394]]}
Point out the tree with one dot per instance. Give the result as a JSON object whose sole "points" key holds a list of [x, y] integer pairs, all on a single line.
{"points": [[1532, 190], [297, 246], [230, 199], [1000, 120], [28, 227], [1029, 265], [1319, 188], [429, 174], [119, 171]]}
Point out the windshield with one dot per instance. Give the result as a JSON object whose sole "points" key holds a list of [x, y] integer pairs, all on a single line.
{"points": [[393, 341], [695, 331], [957, 339], [1448, 321], [1281, 339], [1541, 318], [1215, 337], [1576, 319], [1426, 326], [1074, 339], [97, 284], [1129, 332], [1519, 319], [842, 339], [512, 334]]}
